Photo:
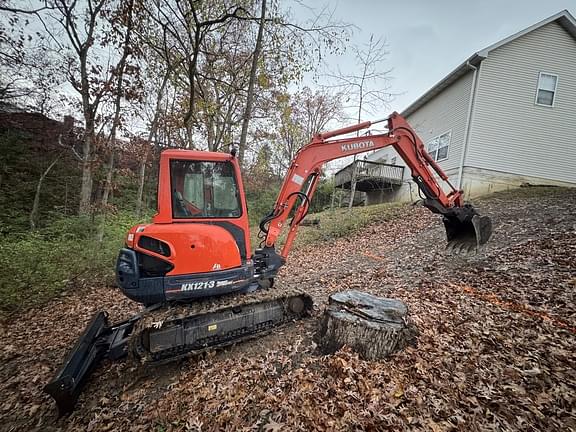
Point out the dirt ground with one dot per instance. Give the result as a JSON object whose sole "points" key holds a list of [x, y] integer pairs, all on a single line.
{"points": [[496, 349]]}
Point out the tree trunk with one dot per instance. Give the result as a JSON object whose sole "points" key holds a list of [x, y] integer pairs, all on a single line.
{"points": [[121, 67], [353, 184], [36, 205], [106, 196], [210, 138], [2, 171], [251, 83], [109, 178], [152, 134], [86, 187], [141, 178], [373, 327]]}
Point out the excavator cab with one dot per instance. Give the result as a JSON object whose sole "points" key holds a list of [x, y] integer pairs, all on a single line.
{"points": [[199, 242]]}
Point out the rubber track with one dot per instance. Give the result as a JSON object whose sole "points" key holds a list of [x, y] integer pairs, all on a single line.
{"points": [[154, 319]]}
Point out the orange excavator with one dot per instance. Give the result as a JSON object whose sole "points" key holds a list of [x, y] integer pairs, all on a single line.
{"points": [[192, 267]]}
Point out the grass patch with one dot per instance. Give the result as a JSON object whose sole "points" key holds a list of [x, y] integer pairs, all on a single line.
{"points": [[337, 223]]}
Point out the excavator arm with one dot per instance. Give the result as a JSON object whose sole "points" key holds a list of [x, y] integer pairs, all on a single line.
{"points": [[464, 227]]}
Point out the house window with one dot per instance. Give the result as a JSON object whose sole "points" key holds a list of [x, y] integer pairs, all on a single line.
{"points": [[393, 161], [438, 147], [546, 89]]}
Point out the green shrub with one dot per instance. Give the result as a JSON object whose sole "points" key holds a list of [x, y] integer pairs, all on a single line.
{"points": [[259, 203], [37, 266]]}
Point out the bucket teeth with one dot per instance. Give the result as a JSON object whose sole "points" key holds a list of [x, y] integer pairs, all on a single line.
{"points": [[462, 247]]}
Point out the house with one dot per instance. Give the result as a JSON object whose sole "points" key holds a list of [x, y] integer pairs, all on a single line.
{"points": [[504, 117]]}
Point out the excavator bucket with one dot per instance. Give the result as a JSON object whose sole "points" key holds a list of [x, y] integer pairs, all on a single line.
{"points": [[466, 231]]}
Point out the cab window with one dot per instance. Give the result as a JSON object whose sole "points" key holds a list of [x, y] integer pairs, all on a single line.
{"points": [[202, 189]]}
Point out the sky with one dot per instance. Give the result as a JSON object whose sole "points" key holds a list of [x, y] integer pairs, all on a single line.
{"points": [[428, 39]]}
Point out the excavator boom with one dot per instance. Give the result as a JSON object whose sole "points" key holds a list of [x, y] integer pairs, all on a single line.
{"points": [[465, 229]]}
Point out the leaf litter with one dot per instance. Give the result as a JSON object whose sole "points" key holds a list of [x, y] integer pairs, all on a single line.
{"points": [[496, 349]]}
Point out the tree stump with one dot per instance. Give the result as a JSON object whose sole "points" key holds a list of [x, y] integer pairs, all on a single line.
{"points": [[373, 327]]}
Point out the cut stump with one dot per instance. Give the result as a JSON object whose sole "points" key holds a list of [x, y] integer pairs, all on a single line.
{"points": [[373, 327]]}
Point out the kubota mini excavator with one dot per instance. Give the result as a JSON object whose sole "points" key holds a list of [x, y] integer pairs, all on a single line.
{"points": [[198, 247]]}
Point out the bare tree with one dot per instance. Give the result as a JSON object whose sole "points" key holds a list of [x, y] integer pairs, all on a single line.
{"points": [[222, 79], [17, 53], [80, 27], [152, 137], [300, 45], [250, 94], [36, 203], [184, 25], [367, 88], [125, 16], [300, 116]]}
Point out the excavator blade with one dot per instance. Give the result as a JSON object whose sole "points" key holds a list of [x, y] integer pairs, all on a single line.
{"points": [[467, 232], [98, 341]]}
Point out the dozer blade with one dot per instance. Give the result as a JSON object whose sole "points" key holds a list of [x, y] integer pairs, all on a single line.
{"points": [[98, 341], [467, 231]]}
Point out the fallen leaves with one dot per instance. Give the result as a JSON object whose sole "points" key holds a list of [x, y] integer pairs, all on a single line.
{"points": [[487, 357]]}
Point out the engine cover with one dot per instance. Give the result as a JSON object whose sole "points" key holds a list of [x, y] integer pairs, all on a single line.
{"points": [[183, 261], [193, 247]]}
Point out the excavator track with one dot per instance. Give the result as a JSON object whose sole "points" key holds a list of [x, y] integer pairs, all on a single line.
{"points": [[183, 330]]}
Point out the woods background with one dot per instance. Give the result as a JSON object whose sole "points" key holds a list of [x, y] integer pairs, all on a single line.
{"points": [[91, 91]]}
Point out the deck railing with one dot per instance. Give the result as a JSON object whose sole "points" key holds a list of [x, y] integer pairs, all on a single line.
{"points": [[382, 172]]}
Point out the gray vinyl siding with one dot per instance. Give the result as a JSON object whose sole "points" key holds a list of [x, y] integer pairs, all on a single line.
{"points": [[385, 154], [447, 112], [509, 132]]}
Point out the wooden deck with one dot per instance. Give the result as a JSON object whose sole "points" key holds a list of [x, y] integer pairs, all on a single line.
{"points": [[369, 176]]}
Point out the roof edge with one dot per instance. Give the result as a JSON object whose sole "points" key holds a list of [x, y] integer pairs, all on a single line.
{"points": [[562, 15], [458, 72]]}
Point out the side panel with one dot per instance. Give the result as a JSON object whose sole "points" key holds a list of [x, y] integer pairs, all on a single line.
{"points": [[194, 247], [447, 112]]}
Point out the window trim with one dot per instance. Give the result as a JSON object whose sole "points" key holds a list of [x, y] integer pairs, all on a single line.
{"points": [[538, 89], [449, 132]]}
